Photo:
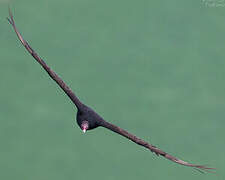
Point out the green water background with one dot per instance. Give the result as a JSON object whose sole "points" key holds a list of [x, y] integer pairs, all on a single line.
{"points": [[155, 68]]}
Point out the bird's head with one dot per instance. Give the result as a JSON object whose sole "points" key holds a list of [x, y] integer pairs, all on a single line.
{"points": [[84, 126]]}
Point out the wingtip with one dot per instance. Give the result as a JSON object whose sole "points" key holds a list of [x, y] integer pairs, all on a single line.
{"points": [[203, 169], [200, 168]]}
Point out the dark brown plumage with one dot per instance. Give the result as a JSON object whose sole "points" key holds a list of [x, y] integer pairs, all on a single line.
{"points": [[87, 118]]}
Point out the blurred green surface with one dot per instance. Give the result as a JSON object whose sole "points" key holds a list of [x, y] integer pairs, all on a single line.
{"points": [[155, 68]]}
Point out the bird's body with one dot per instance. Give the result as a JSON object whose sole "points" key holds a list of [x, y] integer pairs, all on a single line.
{"points": [[87, 118]]}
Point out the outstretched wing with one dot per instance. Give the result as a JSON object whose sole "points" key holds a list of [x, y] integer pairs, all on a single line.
{"points": [[51, 73], [152, 148]]}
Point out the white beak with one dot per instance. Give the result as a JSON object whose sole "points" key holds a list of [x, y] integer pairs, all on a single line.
{"points": [[84, 130]]}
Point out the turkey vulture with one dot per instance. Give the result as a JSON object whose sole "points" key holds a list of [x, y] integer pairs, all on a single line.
{"points": [[87, 118]]}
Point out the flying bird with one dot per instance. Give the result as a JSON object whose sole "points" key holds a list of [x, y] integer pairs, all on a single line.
{"points": [[87, 118]]}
